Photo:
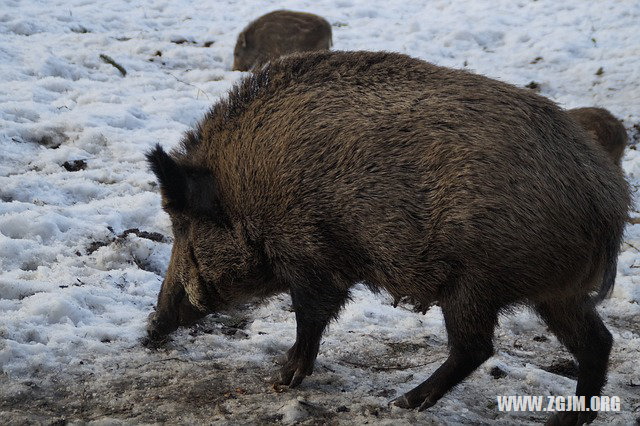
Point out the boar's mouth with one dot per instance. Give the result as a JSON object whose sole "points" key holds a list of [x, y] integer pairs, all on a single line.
{"points": [[175, 309], [163, 321]]}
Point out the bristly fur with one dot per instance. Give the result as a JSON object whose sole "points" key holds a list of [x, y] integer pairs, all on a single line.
{"points": [[433, 184], [223, 114]]}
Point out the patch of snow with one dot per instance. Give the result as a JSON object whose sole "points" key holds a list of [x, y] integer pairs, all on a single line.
{"points": [[75, 295]]}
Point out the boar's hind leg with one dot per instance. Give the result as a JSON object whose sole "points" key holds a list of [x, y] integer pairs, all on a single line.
{"points": [[470, 328], [314, 308], [577, 325]]}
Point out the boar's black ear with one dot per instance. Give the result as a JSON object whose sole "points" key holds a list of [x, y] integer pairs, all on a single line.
{"points": [[171, 176], [186, 189]]}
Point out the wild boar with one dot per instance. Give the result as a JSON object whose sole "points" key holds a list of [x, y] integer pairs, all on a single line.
{"points": [[323, 170], [280, 33], [605, 129]]}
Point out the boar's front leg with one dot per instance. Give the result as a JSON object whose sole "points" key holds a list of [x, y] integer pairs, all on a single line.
{"points": [[314, 307]]}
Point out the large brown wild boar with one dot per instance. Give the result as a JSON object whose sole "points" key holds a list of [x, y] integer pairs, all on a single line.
{"points": [[277, 34], [605, 129], [327, 169]]}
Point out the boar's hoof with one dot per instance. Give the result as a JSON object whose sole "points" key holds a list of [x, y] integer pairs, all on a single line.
{"points": [[570, 418], [294, 370], [400, 402], [291, 375], [410, 401]]}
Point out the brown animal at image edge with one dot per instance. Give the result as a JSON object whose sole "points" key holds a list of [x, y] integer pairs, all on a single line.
{"points": [[327, 169], [605, 129], [280, 33]]}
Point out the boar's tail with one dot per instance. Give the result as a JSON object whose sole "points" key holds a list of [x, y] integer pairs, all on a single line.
{"points": [[610, 270]]}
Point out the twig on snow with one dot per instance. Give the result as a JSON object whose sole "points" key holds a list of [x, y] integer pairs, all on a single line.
{"points": [[109, 60]]}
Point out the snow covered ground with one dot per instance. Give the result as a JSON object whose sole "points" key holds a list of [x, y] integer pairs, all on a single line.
{"points": [[84, 243]]}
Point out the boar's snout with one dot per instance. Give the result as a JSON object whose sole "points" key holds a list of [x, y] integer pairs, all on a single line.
{"points": [[158, 327], [169, 316]]}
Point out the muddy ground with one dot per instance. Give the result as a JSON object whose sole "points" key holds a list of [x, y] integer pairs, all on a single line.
{"points": [[349, 387]]}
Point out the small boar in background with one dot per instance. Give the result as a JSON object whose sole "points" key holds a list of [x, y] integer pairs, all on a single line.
{"points": [[327, 169], [277, 34], [606, 129]]}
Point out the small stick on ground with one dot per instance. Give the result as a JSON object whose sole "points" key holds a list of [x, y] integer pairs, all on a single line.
{"points": [[109, 60], [387, 368], [632, 246], [161, 360]]}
